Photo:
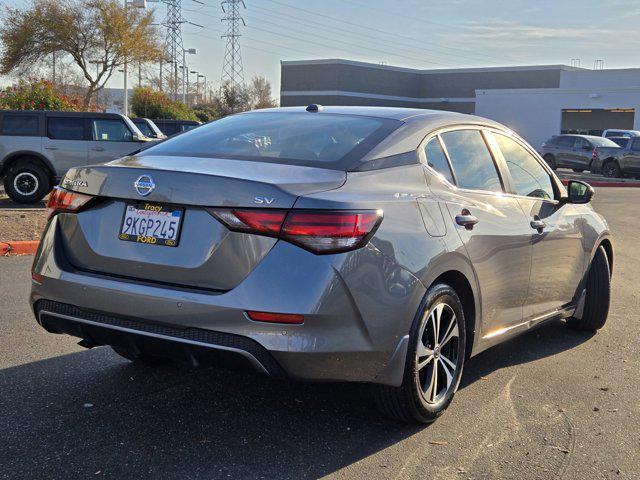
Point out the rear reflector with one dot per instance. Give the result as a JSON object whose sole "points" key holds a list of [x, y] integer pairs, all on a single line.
{"points": [[61, 200], [276, 317], [320, 231]]}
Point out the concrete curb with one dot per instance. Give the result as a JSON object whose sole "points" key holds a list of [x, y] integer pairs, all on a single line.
{"points": [[28, 247], [565, 182]]}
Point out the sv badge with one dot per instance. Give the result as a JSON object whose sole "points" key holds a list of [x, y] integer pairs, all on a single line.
{"points": [[261, 200]]}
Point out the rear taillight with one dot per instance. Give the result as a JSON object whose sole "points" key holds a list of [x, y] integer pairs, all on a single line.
{"points": [[594, 154], [61, 200], [276, 317], [319, 231]]}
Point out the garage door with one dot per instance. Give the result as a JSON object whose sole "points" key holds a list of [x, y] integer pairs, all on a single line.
{"points": [[586, 121]]}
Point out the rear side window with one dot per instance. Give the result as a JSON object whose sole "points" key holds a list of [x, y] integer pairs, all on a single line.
{"points": [[322, 140], [27, 125], [471, 161], [530, 179], [109, 130], [65, 128], [436, 158], [581, 143], [566, 142]]}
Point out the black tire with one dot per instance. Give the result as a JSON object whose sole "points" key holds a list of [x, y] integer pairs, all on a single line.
{"points": [[551, 161], [578, 170], [27, 182], [408, 402], [139, 357], [598, 295], [611, 169]]}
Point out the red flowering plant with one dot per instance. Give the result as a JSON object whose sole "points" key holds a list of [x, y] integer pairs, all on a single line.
{"points": [[35, 95]]}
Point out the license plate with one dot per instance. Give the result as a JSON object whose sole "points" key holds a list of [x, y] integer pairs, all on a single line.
{"points": [[152, 224]]}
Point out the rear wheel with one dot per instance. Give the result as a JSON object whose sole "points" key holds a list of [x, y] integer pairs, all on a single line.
{"points": [[611, 169], [139, 357], [27, 182], [434, 361], [598, 295], [551, 161]]}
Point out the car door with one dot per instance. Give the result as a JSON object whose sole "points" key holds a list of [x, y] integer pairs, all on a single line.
{"points": [[582, 154], [492, 227], [631, 162], [111, 138], [564, 157], [555, 232], [65, 142]]}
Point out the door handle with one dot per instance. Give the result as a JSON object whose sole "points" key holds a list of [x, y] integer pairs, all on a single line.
{"points": [[538, 225], [466, 220], [98, 149], [51, 148]]}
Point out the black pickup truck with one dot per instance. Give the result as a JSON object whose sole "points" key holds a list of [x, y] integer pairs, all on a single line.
{"points": [[618, 162]]}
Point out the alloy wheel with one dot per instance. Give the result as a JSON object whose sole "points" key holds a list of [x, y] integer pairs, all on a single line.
{"points": [[437, 353], [25, 183]]}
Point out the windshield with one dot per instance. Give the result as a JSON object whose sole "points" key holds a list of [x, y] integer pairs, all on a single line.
{"points": [[144, 128], [308, 139], [602, 142]]}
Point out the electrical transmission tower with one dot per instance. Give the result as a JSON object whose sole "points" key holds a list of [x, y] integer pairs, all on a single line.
{"points": [[173, 49], [232, 75]]}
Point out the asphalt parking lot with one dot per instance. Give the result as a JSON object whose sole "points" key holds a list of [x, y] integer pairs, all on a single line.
{"points": [[551, 404]]}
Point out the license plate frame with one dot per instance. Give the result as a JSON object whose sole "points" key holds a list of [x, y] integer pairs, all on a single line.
{"points": [[151, 239]]}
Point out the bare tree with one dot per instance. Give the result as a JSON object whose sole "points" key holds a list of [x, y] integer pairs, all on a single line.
{"points": [[98, 35], [260, 93]]}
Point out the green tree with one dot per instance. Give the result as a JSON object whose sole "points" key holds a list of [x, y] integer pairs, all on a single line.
{"points": [[150, 103], [99, 35]]}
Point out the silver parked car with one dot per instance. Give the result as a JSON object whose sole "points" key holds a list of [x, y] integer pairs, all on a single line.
{"points": [[38, 147], [378, 245]]}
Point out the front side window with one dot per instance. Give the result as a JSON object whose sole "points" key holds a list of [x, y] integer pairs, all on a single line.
{"points": [[109, 130], [20, 125], [65, 128], [436, 158], [530, 179], [471, 161]]}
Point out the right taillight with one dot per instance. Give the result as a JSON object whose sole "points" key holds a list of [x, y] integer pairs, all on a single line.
{"points": [[319, 231], [61, 200]]}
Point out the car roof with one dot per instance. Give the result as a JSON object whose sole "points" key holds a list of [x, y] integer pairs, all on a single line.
{"points": [[579, 136], [59, 113], [395, 113]]}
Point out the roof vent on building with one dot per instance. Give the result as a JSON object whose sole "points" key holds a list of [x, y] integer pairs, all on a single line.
{"points": [[314, 107]]}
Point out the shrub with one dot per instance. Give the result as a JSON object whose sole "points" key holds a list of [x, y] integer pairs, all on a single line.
{"points": [[35, 95], [150, 103]]}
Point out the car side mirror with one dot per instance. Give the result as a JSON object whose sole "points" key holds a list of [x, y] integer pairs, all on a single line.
{"points": [[579, 192]]}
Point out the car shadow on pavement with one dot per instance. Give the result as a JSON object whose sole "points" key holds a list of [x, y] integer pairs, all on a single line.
{"points": [[545, 341], [93, 414]]}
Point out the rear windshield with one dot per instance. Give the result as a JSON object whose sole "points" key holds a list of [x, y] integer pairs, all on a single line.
{"points": [[307, 139], [602, 142]]}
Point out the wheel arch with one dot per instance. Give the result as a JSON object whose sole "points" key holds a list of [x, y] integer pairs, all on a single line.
{"points": [[455, 269], [608, 249], [15, 157]]}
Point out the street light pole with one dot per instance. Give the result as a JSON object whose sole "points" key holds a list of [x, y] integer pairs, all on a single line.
{"points": [[136, 4], [197, 86], [185, 73]]}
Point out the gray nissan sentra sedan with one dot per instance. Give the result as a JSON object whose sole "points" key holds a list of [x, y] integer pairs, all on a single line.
{"points": [[378, 245]]}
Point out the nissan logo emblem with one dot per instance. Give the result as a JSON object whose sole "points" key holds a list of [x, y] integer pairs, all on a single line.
{"points": [[144, 185]]}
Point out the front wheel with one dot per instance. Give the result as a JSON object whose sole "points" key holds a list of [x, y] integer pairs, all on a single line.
{"points": [[434, 362], [27, 182]]}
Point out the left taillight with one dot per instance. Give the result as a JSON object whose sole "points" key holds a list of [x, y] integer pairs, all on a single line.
{"points": [[61, 200], [319, 231]]}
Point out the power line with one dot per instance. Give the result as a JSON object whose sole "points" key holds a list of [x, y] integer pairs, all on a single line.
{"points": [[371, 28]]}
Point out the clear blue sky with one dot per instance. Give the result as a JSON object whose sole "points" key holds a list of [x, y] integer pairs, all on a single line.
{"points": [[416, 33]]}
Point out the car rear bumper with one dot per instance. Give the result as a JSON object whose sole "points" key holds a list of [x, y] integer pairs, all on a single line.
{"points": [[335, 343]]}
